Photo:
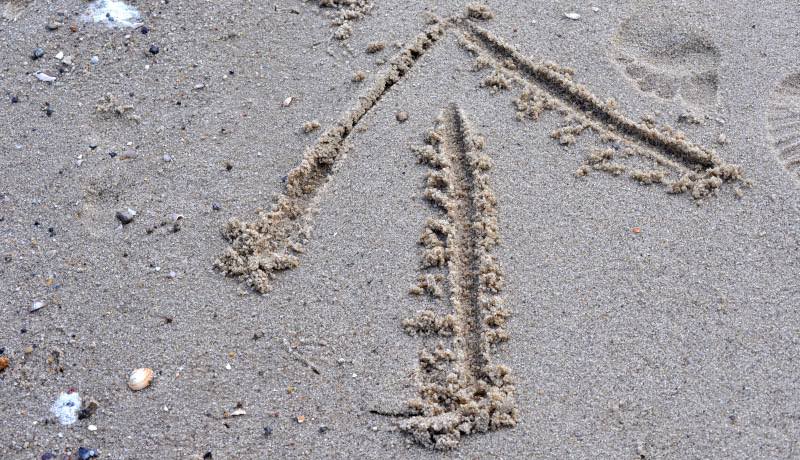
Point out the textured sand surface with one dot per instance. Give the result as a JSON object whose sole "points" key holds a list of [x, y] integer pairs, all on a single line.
{"points": [[645, 324]]}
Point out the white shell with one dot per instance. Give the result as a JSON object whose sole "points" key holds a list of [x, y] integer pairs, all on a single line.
{"points": [[573, 16], [140, 378], [44, 77]]}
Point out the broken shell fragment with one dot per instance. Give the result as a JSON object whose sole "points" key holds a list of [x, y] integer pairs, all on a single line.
{"points": [[44, 77], [140, 378]]}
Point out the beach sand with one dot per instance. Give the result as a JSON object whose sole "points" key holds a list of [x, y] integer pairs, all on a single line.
{"points": [[646, 320]]}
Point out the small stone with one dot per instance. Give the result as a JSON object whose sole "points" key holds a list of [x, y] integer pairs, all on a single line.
{"points": [[402, 116], [573, 16], [41, 76], [154, 49], [38, 305], [88, 411], [144, 30], [92, 428], [267, 431], [167, 157], [86, 454], [301, 419], [288, 101], [323, 428], [14, 99], [95, 60], [37, 53], [67, 60], [53, 25], [60, 55], [722, 139], [126, 216], [595, 9], [4, 363], [216, 206]]}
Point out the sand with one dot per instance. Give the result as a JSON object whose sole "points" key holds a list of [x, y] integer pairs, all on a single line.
{"points": [[613, 262]]}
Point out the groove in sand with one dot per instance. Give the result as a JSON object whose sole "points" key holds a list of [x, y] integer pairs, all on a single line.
{"points": [[271, 243], [461, 390], [550, 87]]}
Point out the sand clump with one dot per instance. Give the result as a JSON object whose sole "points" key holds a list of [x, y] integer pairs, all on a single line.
{"points": [[461, 390], [347, 12]]}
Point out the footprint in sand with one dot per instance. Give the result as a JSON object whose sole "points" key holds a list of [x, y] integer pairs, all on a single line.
{"points": [[784, 123], [668, 58]]}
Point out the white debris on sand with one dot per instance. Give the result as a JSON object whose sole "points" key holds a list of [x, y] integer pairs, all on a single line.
{"points": [[66, 407], [114, 13]]}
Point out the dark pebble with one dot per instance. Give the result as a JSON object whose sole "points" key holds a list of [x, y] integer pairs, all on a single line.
{"points": [[154, 49], [125, 217], [216, 206], [14, 99], [37, 53], [86, 454], [93, 146], [48, 456], [87, 411], [323, 428], [208, 456], [112, 154], [144, 30], [267, 431]]}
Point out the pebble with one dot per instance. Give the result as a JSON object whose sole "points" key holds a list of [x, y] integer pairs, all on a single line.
{"points": [[573, 16], [95, 60], [144, 30], [4, 362], [323, 428], [14, 99], [126, 216], [402, 116], [53, 25], [216, 206], [154, 49], [595, 9], [44, 77], [60, 55], [86, 454], [288, 101], [167, 157], [67, 60], [267, 431], [92, 428], [38, 305], [37, 53]]}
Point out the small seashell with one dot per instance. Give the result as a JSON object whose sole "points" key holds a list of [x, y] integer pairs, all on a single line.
{"points": [[573, 16], [44, 77], [288, 101], [140, 378]]}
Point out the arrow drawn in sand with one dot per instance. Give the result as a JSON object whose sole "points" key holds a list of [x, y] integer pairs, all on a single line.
{"points": [[273, 242], [462, 390]]}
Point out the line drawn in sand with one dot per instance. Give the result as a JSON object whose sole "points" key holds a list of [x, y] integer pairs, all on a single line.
{"points": [[783, 115], [668, 57], [462, 391]]}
